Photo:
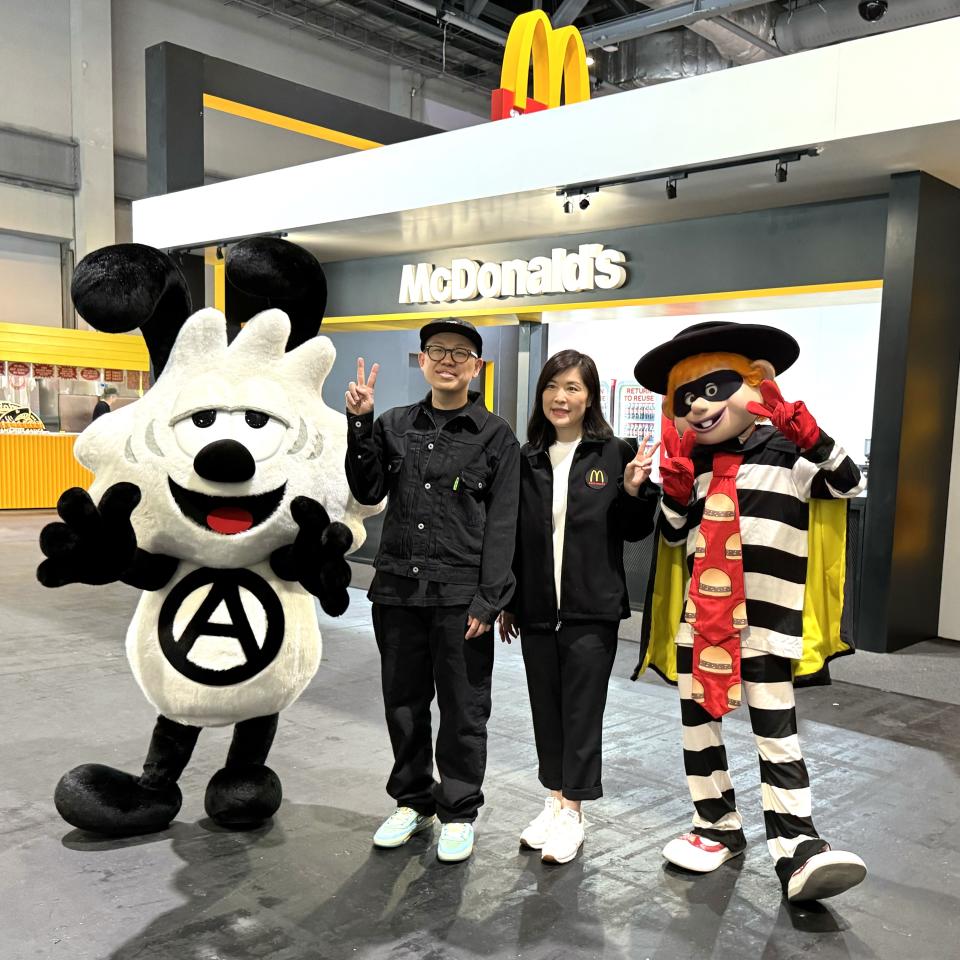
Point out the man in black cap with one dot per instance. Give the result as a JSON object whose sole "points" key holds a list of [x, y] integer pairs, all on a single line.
{"points": [[450, 470]]}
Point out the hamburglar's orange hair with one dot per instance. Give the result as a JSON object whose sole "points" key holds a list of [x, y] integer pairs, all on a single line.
{"points": [[752, 371]]}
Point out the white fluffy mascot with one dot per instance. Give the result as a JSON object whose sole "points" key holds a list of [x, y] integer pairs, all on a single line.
{"points": [[221, 495]]}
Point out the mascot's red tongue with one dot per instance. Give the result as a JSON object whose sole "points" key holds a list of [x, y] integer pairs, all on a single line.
{"points": [[229, 520]]}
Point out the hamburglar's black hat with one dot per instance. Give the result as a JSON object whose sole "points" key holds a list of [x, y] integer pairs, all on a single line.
{"points": [[752, 340], [452, 325]]}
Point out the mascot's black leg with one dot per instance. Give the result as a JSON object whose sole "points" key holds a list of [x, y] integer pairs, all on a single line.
{"points": [[246, 791], [117, 804]]}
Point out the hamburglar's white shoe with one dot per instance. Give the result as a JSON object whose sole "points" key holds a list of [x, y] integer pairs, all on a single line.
{"points": [[696, 853], [564, 837], [825, 875], [534, 835]]}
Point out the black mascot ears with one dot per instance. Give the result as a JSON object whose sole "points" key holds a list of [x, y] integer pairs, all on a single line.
{"points": [[265, 272], [119, 288]]}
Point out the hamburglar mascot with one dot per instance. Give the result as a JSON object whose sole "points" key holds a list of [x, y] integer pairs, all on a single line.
{"points": [[213, 494], [758, 508]]}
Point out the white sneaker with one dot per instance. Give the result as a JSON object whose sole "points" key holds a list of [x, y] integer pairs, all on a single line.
{"points": [[456, 842], [825, 875], [564, 837], [534, 835], [400, 826], [696, 853]]}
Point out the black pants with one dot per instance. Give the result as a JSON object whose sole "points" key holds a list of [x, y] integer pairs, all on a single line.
{"points": [[567, 675], [422, 651]]}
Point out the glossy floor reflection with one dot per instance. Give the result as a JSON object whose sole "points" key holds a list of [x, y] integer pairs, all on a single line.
{"points": [[310, 886]]}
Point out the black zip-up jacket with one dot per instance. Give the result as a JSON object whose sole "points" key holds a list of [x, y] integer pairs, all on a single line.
{"points": [[452, 496], [600, 516]]}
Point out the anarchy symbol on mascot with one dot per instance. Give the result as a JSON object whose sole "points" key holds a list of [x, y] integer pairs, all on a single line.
{"points": [[179, 646]]}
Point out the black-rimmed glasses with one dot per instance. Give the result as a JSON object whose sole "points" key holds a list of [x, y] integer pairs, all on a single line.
{"points": [[459, 354]]}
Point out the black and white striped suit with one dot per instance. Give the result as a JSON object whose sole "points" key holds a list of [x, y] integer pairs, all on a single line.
{"points": [[774, 484]]}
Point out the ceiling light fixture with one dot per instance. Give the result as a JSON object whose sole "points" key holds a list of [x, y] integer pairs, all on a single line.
{"points": [[590, 60], [580, 196], [672, 177]]}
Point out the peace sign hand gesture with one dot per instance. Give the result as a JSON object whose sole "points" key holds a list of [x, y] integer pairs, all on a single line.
{"points": [[793, 420], [359, 393], [676, 471], [637, 471]]}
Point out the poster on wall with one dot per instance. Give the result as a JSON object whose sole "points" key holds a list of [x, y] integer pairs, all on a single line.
{"points": [[113, 376], [3, 368], [18, 369], [44, 371], [637, 412], [67, 373], [133, 379], [89, 373]]}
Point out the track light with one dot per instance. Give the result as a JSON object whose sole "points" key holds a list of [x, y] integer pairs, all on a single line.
{"points": [[580, 197], [671, 189], [219, 251], [781, 172]]}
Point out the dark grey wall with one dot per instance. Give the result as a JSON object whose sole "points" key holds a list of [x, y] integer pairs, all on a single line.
{"points": [[789, 246], [913, 416]]}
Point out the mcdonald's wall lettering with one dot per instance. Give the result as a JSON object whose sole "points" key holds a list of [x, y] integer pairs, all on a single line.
{"points": [[593, 266], [559, 62]]}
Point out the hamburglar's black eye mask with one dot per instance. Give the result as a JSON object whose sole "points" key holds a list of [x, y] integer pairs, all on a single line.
{"points": [[718, 385]]}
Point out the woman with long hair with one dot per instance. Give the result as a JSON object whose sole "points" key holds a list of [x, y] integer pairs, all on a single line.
{"points": [[582, 493]]}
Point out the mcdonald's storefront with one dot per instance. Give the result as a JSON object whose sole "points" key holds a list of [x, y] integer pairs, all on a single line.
{"points": [[836, 275], [864, 279]]}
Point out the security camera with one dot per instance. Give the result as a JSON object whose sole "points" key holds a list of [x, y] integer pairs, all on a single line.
{"points": [[872, 10]]}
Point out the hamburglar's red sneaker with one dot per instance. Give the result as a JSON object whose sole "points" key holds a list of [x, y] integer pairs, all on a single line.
{"points": [[696, 853]]}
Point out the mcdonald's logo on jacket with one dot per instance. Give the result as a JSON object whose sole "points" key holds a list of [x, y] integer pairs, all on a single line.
{"points": [[596, 479], [559, 61]]}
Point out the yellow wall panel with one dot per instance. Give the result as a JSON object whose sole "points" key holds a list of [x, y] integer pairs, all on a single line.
{"points": [[35, 469], [82, 348]]}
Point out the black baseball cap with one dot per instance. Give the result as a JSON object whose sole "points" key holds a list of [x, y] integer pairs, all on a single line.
{"points": [[452, 325]]}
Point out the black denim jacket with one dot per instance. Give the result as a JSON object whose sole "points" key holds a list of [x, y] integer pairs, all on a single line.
{"points": [[452, 496]]}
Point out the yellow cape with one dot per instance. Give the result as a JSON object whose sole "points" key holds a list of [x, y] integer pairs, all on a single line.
{"points": [[822, 603]]}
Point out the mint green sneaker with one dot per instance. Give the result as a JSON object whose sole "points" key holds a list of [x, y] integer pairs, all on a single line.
{"points": [[400, 826], [456, 842]]}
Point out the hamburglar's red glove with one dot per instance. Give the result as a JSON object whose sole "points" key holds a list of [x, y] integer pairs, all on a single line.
{"points": [[676, 469], [793, 420]]}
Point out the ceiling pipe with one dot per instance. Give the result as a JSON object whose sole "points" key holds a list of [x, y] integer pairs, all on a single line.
{"points": [[832, 21], [461, 20], [665, 18], [744, 36]]}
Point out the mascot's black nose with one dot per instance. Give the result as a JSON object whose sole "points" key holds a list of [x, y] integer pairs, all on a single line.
{"points": [[225, 461]]}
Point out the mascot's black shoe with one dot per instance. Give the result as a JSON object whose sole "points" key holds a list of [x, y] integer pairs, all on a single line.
{"points": [[242, 797], [103, 800]]}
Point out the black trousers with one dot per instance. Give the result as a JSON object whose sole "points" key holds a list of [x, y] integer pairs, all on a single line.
{"points": [[422, 651], [567, 676]]}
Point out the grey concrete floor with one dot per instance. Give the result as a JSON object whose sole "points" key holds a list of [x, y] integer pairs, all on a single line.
{"points": [[885, 782]]}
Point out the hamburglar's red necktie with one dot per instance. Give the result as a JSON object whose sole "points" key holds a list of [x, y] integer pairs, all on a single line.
{"points": [[716, 604]]}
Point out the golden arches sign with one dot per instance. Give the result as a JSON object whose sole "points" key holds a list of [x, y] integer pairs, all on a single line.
{"points": [[559, 61]]}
